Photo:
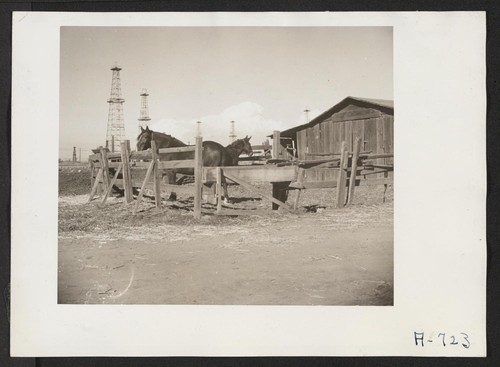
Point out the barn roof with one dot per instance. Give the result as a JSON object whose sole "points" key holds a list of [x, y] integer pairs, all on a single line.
{"points": [[385, 105]]}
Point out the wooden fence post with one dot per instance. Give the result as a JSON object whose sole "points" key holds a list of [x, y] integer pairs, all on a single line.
{"points": [[105, 168], [92, 172], [101, 204], [218, 190], [276, 144], [354, 170], [96, 184], [143, 187], [127, 179], [342, 175], [300, 179], [198, 180], [156, 174]]}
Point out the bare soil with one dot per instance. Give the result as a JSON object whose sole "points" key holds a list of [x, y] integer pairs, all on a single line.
{"points": [[318, 256]]}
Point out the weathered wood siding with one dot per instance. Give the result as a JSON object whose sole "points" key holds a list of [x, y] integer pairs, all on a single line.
{"points": [[374, 127]]}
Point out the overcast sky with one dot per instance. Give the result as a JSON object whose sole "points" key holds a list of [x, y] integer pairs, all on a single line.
{"points": [[261, 77]]}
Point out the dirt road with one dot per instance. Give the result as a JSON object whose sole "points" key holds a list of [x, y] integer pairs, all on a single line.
{"points": [[334, 257]]}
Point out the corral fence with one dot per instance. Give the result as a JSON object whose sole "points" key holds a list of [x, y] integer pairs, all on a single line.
{"points": [[343, 171], [103, 164]]}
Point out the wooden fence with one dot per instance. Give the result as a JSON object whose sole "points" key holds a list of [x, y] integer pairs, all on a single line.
{"points": [[104, 163], [349, 169]]}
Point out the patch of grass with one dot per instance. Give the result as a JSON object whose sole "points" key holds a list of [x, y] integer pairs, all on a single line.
{"points": [[74, 181]]}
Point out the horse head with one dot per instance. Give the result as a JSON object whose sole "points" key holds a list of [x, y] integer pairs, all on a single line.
{"points": [[247, 147], [144, 139]]}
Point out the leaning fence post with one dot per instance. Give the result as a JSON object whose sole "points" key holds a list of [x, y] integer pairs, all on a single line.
{"points": [[354, 170], [92, 172], [105, 168], [198, 170], [127, 180], [341, 178]]}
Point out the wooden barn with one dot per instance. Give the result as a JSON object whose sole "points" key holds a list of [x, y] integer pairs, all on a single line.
{"points": [[372, 120]]}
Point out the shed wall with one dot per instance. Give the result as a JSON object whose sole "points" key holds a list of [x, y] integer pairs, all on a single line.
{"points": [[374, 127]]}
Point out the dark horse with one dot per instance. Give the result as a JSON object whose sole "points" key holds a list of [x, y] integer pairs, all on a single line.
{"points": [[214, 154]]}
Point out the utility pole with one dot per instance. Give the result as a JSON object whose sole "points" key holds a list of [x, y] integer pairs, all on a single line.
{"points": [[307, 114], [198, 128]]}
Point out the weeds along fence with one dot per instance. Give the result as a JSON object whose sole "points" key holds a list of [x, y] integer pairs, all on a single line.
{"points": [[114, 170]]}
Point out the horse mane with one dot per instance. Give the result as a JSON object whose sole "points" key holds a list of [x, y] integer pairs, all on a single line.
{"points": [[174, 140], [235, 143], [154, 134]]}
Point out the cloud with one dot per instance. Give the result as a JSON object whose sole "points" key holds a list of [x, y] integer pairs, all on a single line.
{"points": [[249, 117]]}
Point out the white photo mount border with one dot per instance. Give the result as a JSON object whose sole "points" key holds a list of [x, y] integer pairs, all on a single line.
{"points": [[440, 219]]}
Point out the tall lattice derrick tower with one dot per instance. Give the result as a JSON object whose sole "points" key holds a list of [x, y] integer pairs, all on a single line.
{"points": [[116, 124], [144, 112]]}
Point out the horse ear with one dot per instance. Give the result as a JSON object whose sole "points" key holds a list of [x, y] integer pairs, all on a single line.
{"points": [[142, 129], [147, 128]]}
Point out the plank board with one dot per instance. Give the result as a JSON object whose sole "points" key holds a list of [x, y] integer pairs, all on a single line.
{"points": [[341, 134], [319, 138], [357, 131], [189, 148], [335, 137], [352, 113], [325, 135], [348, 135], [371, 136], [144, 154], [266, 173], [276, 145], [109, 165], [176, 164], [313, 138], [389, 137], [302, 143], [317, 174]]}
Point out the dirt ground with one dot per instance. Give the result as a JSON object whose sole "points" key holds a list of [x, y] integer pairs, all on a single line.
{"points": [[318, 256]]}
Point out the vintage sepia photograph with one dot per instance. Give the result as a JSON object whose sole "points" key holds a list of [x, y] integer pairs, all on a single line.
{"points": [[223, 184], [226, 166]]}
